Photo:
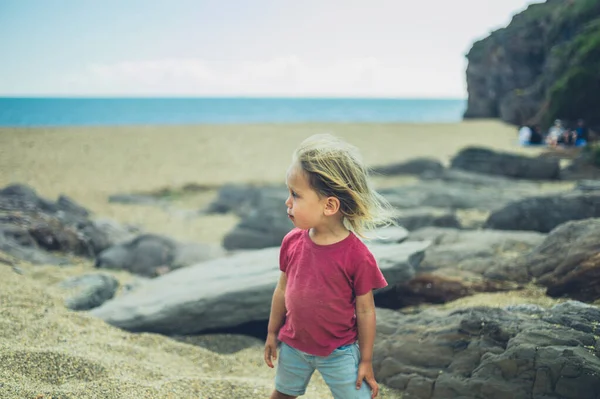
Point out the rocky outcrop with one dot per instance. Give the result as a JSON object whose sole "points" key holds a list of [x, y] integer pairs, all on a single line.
{"points": [[542, 66], [544, 213], [486, 161], [151, 255], [567, 262], [452, 195], [38, 230], [455, 265], [227, 292], [520, 352]]}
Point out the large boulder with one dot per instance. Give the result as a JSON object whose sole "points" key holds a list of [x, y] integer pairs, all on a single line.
{"points": [[544, 213], [151, 255], [262, 210], [520, 352], [486, 161], [455, 265], [242, 198], [264, 225], [472, 249], [227, 292], [452, 195], [567, 262]]}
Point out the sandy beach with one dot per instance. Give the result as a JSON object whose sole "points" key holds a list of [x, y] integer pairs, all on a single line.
{"points": [[48, 351]]}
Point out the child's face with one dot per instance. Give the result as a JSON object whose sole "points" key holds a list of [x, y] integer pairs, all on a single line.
{"points": [[305, 207]]}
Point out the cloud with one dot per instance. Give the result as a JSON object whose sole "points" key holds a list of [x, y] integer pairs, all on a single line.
{"points": [[285, 76]]}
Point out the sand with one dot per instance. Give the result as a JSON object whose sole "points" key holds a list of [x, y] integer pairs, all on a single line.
{"points": [[47, 351]]}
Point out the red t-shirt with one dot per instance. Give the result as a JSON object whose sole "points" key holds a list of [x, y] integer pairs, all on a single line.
{"points": [[322, 284]]}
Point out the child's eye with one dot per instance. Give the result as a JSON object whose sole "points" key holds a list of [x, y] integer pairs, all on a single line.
{"points": [[294, 195]]}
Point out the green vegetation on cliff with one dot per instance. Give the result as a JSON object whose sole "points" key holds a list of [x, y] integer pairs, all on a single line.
{"points": [[544, 65], [576, 93]]}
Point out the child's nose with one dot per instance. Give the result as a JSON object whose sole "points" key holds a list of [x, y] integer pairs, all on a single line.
{"points": [[288, 201]]}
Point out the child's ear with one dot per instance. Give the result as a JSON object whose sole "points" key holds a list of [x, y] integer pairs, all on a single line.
{"points": [[332, 205]]}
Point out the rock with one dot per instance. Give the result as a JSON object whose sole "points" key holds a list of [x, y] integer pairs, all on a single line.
{"points": [[444, 195], [69, 206], [135, 283], [94, 290], [567, 262], [471, 249], [416, 218], [455, 265], [17, 242], [544, 213], [264, 225], [41, 231], [187, 254], [226, 292], [144, 255], [486, 161], [21, 194], [114, 232], [437, 288], [151, 255], [487, 352], [262, 209], [242, 198], [412, 167]]}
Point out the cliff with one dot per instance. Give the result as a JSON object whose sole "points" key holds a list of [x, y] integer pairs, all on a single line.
{"points": [[544, 65]]}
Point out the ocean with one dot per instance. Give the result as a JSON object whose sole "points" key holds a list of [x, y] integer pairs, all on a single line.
{"points": [[38, 112]]}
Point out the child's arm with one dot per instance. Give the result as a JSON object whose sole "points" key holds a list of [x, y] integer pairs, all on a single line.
{"points": [[365, 317], [275, 320]]}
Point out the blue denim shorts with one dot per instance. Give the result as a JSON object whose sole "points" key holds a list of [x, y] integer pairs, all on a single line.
{"points": [[339, 370]]}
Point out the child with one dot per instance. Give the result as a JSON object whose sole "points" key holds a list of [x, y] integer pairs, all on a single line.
{"points": [[322, 310]]}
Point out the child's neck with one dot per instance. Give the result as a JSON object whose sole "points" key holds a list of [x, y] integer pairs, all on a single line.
{"points": [[327, 235]]}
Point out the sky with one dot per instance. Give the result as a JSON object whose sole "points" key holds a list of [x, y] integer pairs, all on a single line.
{"points": [[308, 48]]}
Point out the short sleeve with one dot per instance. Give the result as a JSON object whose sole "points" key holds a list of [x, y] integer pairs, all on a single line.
{"points": [[367, 275], [283, 253]]}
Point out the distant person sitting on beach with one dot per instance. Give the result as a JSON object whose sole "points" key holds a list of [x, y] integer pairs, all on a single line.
{"points": [[567, 138], [322, 310], [536, 135], [525, 135], [530, 135], [582, 133], [555, 133]]}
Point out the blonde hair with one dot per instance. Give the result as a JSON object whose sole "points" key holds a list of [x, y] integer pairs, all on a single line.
{"points": [[335, 168]]}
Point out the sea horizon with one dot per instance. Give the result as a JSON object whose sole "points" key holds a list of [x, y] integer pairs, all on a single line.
{"points": [[56, 111]]}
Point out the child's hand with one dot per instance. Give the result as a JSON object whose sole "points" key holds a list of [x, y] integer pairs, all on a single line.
{"points": [[365, 372], [270, 349]]}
